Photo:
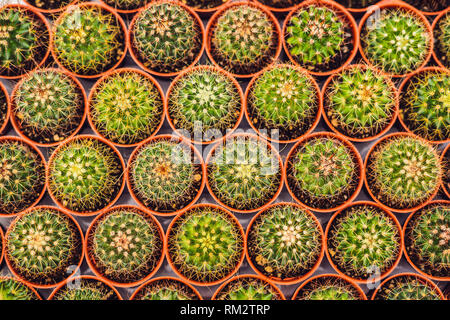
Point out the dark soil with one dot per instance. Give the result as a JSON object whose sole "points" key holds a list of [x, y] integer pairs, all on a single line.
{"points": [[280, 4], [127, 6], [356, 4], [446, 170], [429, 5], [49, 4], [3, 108], [204, 4]]}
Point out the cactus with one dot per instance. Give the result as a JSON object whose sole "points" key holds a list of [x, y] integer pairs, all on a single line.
{"points": [[85, 289], [48, 106], [403, 172], [427, 238], [165, 175], [364, 240], [125, 245], [22, 176], [204, 4], [205, 244], [425, 105], [360, 102], [284, 101], [166, 37], [244, 173], [323, 171], [442, 40], [396, 41], [127, 5], [357, 4], [166, 289], [407, 287], [43, 245], [284, 242], [88, 40], [12, 289], [126, 107], [244, 39], [248, 288], [50, 4], [85, 174], [280, 4], [24, 40], [328, 288], [204, 104], [429, 5]]}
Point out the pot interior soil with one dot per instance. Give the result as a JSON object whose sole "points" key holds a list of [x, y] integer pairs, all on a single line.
{"points": [[442, 35], [3, 108], [248, 288], [87, 289], [126, 5], [446, 170], [329, 288], [204, 4], [49, 4], [429, 5], [357, 4], [166, 289], [280, 4], [407, 287]]}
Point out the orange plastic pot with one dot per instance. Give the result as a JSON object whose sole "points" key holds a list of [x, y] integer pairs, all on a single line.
{"points": [[444, 187], [89, 243], [130, 38], [94, 91], [433, 27], [23, 283], [16, 126], [211, 68], [8, 108], [287, 281], [133, 296], [51, 11], [335, 7]]}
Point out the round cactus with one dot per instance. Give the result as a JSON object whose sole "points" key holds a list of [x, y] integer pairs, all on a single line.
{"points": [[44, 245], [248, 288], [403, 172], [126, 106], [204, 103], [205, 244], [49, 5], [165, 174], [284, 242], [329, 287], [360, 102], [283, 102], [357, 4], [12, 289], [166, 289], [407, 287], [85, 288], [22, 175], [442, 39], [126, 5], [48, 106], [85, 174], [429, 5], [364, 241]]}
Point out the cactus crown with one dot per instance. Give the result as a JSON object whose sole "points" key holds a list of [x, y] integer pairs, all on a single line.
{"points": [[425, 105], [442, 36], [166, 37], [283, 98], [357, 4], [48, 106], [280, 4], [362, 240], [43, 245], [360, 102], [126, 107], [284, 242], [49, 4], [205, 244], [248, 288], [12, 289], [204, 104], [403, 171], [85, 174], [86, 289], [395, 41], [244, 173], [22, 176], [406, 287], [88, 40], [203, 4], [126, 4], [328, 288], [166, 289]]}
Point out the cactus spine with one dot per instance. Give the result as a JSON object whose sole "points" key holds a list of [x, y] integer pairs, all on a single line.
{"points": [[86, 289], [12, 289], [407, 287]]}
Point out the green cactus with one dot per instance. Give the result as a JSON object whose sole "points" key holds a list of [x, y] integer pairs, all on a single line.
{"points": [[126, 107], [88, 40], [3, 107], [166, 37], [48, 106], [12, 289], [395, 41], [328, 288], [49, 4], [425, 105], [86, 289], [429, 5], [244, 39], [244, 173], [283, 101], [166, 289], [125, 244], [205, 244], [22, 176], [280, 4], [323, 171], [85, 174], [43, 245], [204, 4], [403, 172], [24, 40], [357, 4], [407, 287], [165, 175], [360, 102], [126, 5], [204, 104], [363, 240], [284, 242], [248, 288], [442, 40]]}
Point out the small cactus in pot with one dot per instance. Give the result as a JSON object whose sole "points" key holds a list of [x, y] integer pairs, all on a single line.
{"points": [[248, 287], [441, 31], [14, 289], [166, 288], [85, 288], [329, 287]]}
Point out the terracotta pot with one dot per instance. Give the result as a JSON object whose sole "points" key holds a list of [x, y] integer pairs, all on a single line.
{"points": [[88, 244], [390, 269], [16, 126], [180, 77], [250, 87], [287, 281], [444, 187], [102, 7], [433, 27], [102, 79], [233, 219], [327, 121], [270, 147], [51, 11], [135, 153], [119, 193], [8, 108], [337, 8], [23, 283], [72, 279], [352, 283], [131, 36], [141, 287], [212, 24]]}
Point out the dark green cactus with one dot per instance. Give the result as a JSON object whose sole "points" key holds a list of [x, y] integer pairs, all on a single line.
{"points": [[166, 289], [12, 289], [248, 288], [407, 287], [85, 289], [442, 40], [329, 287]]}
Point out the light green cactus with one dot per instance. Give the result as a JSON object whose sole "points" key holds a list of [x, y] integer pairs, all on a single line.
{"points": [[204, 4], [86, 289], [442, 40], [407, 287], [328, 288], [248, 288], [49, 4], [166, 289], [12, 289], [127, 5]]}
